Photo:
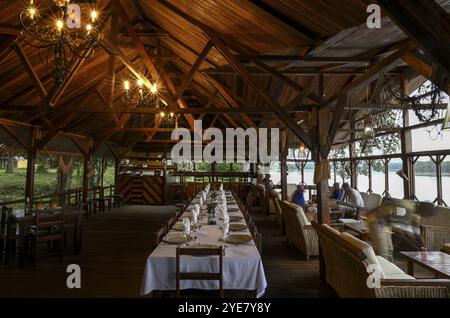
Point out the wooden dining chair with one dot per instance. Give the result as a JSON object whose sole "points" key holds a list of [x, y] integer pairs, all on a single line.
{"points": [[8, 235], [257, 237], [170, 223], [193, 276], [48, 229], [158, 235]]}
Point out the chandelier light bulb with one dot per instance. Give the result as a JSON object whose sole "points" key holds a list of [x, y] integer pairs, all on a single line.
{"points": [[172, 114], [154, 89], [94, 15], [32, 11], [89, 28], [126, 85], [140, 82], [162, 114], [59, 25]]}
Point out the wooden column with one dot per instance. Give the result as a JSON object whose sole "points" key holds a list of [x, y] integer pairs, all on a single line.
{"points": [[86, 163], [164, 182], [31, 169], [283, 165], [116, 174], [352, 153], [406, 148], [31, 166]]}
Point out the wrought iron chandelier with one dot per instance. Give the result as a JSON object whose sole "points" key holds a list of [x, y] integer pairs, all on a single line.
{"points": [[168, 119], [140, 95], [60, 36], [136, 94]]}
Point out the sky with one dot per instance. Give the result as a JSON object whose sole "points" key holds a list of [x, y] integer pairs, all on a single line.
{"points": [[421, 139]]}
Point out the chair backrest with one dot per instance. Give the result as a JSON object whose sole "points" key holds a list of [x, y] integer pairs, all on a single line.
{"points": [[49, 219], [199, 252], [4, 220], [349, 279], [158, 235], [300, 214], [373, 201], [365, 197], [171, 222], [257, 237]]}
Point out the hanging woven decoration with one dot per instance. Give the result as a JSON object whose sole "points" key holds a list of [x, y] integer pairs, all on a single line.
{"points": [[430, 94], [63, 167]]}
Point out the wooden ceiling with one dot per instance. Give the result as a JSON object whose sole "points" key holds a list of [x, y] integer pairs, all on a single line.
{"points": [[271, 55]]}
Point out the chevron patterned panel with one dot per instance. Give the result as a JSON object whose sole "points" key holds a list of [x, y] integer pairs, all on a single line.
{"points": [[146, 190]]}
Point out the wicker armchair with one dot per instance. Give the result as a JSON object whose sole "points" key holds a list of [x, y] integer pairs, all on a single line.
{"points": [[446, 248], [347, 259], [275, 198], [434, 237], [299, 230]]}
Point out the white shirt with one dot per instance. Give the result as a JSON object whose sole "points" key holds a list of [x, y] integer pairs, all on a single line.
{"points": [[355, 198]]}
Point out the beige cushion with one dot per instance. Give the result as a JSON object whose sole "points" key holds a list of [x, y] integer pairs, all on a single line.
{"points": [[391, 270], [446, 248], [365, 197], [373, 201], [363, 246], [300, 214]]}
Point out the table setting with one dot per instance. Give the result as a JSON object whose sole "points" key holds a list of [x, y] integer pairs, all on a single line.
{"points": [[212, 222]]}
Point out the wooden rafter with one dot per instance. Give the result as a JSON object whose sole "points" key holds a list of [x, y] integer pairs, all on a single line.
{"points": [[427, 23], [190, 75], [243, 72], [30, 71], [373, 72]]}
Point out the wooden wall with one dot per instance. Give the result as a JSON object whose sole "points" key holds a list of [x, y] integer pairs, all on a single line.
{"points": [[145, 190]]}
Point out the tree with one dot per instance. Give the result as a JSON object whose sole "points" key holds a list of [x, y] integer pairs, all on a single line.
{"points": [[11, 164]]}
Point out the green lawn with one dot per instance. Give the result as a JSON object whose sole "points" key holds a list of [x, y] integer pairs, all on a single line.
{"points": [[12, 186]]}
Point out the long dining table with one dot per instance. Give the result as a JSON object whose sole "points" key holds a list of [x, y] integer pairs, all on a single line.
{"points": [[242, 265]]}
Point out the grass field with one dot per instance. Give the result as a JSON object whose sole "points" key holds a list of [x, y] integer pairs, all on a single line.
{"points": [[12, 186]]}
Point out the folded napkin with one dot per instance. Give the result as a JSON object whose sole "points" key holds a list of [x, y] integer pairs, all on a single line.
{"points": [[221, 187], [194, 216], [186, 227], [226, 218], [225, 229], [197, 208], [200, 200]]}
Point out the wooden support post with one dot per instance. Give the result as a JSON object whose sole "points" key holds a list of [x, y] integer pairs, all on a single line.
{"points": [[31, 166], [406, 148], [352, 152], [283, 163], [29, 183], [86, 163]]}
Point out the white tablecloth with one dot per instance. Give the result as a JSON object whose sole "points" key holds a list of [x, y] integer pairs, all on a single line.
{"points": [[242, 265]]}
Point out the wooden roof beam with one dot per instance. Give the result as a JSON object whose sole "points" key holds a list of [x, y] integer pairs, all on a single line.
{"points": [[190, 75], [373, 72], [30, 71], [242, 71], [146, 59], [427, 23]]}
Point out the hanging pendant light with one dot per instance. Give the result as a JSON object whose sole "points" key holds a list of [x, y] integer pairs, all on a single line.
{"points": [[57, 40]]}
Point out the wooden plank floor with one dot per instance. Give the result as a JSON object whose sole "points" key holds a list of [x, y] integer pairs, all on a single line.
{"points": [[116, 245]]}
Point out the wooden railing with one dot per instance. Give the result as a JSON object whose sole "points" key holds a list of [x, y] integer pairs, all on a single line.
{"points": [[68, 197]]}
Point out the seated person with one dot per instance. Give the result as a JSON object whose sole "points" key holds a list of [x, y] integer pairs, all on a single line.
{"points": [[354, 199], [337, 193], [298, 197]]}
